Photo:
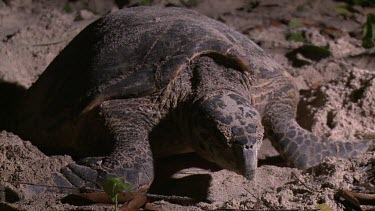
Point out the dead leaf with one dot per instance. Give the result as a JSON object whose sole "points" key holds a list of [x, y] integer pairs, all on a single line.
{"points": [[139, 200], [276, 23], [332, 31], [306, 54], [323, 207], [102, 198], [150, 207]]}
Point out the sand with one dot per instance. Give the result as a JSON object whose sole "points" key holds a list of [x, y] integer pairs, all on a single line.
{"points": [[337, 102]]}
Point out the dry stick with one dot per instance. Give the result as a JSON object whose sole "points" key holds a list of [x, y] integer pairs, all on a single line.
{"points": [[304, 184], [51, 43], [183, 200], [350, 199], [258, 199], [364, 199], [47, 186]]}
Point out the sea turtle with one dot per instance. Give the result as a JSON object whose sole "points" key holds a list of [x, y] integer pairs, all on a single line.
{"points": [[151, 82]]}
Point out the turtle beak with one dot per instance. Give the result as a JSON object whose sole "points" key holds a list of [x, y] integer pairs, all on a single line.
{"points": [[247, 160]]}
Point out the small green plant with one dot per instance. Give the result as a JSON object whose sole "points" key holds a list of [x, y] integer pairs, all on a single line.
{"points": [[368, 40], [323, 207], [68, 9], [363, 3], [145, 2], [343, 10], [296, 37], [113, 187], [295, 23], [189, 3]]}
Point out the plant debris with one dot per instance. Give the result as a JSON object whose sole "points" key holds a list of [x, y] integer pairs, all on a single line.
{"points": [[368, 40]]}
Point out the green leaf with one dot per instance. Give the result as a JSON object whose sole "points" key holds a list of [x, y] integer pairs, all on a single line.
{"points": [[189, 3], [296, 37], [313, 52], [68, 9], [363, 3], [368, 40], [323, 207], [114, 186], [310, 52], [145, 2], [343, 10], [295, 23]]}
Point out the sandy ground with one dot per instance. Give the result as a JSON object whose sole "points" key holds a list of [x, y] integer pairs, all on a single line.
{"points": [[337, 101]]}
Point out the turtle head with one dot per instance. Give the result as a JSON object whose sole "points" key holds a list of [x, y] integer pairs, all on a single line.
{"points": [[229, 133]]}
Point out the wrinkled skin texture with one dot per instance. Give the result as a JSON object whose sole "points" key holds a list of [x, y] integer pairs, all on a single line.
{"points": [[150, 82]]}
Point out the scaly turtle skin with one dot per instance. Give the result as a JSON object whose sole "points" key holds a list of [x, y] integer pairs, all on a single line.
{"points": [[150, 82]]}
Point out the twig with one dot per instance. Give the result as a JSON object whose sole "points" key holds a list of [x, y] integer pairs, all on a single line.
{"points": [[227, 209], [350, 200], [259, 202], [182, 200], [47, 186], [364, 199], [50, 43], [304, 184]]}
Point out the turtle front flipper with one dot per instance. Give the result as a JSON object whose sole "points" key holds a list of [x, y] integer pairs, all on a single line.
{"points": [[299, 147], [128, 122]]}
